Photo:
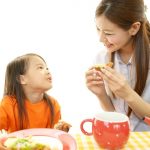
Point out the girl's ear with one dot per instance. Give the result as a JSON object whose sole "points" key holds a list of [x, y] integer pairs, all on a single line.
{"points": [[21, 79], [134, 28]]}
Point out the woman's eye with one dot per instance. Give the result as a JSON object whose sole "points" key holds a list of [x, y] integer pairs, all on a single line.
{"points": [[108, 34], [97, 29]]}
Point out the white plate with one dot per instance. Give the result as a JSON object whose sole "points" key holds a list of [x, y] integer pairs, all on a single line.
{"points": [[53, 143], [53, 137]]}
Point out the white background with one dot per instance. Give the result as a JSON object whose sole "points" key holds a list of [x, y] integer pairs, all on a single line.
{"points": [[63, 32]]}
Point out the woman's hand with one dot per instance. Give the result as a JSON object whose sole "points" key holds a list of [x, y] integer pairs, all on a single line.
{"points": [[116, 82], [62, 125], [94, 82]]}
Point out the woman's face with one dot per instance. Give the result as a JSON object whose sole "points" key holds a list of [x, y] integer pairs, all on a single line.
{"points": [[113, 37]]}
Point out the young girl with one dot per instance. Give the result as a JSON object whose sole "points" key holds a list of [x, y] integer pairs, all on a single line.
{"points": [[25, 103], [125, 31]]}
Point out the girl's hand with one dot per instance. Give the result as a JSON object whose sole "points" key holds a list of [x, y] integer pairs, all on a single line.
{"points": [[62, 125], [94, 82], [116, 82], [3, 147], [3, 135]]}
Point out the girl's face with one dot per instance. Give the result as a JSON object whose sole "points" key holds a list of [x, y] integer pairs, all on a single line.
{"points": [[37, 78], [113, 37]]}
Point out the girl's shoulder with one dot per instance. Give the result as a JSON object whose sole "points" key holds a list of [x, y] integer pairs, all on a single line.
{"points": [[8, 100], [53, 100]]}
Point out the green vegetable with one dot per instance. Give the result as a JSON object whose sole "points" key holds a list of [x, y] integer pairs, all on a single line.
{"points": [[25, 144]]}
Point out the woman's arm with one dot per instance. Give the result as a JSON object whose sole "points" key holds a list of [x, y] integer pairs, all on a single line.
{"points": [[106, 103], [96, 85], [140, 107], [120, 87]]}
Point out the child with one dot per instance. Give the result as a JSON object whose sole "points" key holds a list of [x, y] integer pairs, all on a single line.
{"points": [[125, 31], [25, 103]]}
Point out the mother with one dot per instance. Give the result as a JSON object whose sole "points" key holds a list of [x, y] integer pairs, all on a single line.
{"points": [[125, 31]]}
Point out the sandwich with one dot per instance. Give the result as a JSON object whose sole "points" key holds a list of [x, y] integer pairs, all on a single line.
{"points": [[98, 67]]}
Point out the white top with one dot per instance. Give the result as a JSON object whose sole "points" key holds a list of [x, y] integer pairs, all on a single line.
{"points": [[128, 70]]}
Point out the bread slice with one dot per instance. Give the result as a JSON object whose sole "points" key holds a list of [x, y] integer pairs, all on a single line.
{"points": [[100, 66]]}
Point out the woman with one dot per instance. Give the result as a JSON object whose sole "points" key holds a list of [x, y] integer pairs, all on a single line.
{"points": [[125, 31]]}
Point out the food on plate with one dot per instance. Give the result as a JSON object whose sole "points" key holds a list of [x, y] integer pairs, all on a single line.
{"points": [[62, 125], [25, 144], [100, 66]]}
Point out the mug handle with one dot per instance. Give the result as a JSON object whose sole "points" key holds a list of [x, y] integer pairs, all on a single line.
{"points": [[147, 120], [82, 127]]}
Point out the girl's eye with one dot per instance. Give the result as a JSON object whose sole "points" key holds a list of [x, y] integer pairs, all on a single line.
{"points": [[40, 67]]}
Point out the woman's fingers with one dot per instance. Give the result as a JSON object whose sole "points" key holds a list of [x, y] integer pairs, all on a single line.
{"points": [[110, 75], [92, 75], [116, 82]]}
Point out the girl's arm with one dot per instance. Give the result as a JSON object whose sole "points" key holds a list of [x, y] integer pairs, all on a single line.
{"points": [[2, 147], [3, 135], [3, 119]]}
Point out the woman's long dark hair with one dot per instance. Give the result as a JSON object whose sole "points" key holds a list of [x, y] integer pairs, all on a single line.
{"points": [[13, 88], [124, 13]]}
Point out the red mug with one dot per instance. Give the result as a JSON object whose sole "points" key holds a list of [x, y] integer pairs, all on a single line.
{"points": [[111, 130]]}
